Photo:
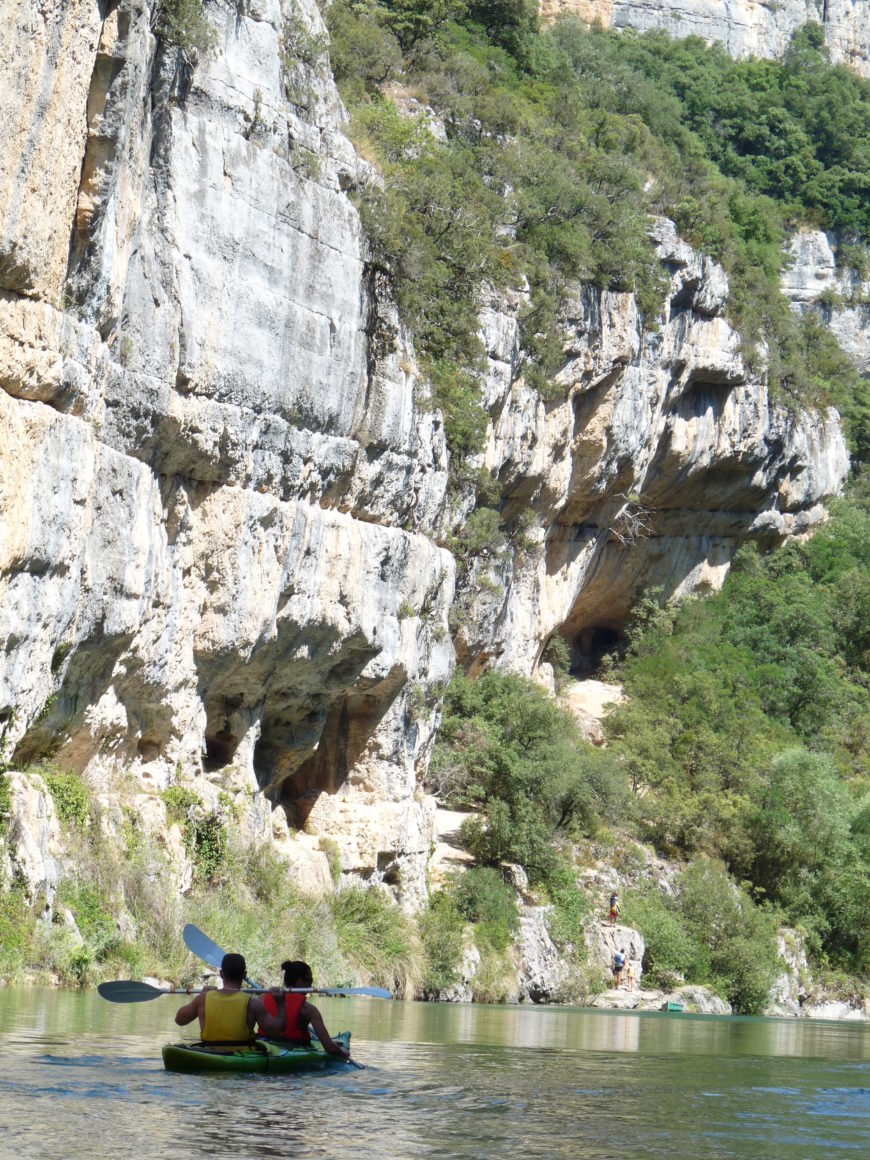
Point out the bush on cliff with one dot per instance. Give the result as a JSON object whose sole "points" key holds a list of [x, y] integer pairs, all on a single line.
{"points": [[710, 932], [505, 746]]}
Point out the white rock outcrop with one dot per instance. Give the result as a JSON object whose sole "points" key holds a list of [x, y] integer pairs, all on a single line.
{"points": [[32, 849], [216, 487], [838, 295], [743, 27], [663, 456]]}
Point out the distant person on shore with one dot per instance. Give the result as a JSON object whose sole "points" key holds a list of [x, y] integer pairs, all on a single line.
{"points": [[614, 907], [618, 965], [226, 1016], [629, 976], [289, 1013]]}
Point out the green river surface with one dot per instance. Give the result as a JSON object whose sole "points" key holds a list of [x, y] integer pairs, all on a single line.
{"points": [[81, 1077]]}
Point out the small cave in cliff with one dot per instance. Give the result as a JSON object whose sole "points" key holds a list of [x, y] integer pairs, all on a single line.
{"points": [[590, 645], [222, 736], [347, 731]]}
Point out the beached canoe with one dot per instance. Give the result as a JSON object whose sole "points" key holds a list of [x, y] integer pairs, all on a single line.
{"points": [[262, 1056]]}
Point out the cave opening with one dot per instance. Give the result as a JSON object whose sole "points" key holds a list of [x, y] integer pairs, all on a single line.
{"points": [[590, 646]]}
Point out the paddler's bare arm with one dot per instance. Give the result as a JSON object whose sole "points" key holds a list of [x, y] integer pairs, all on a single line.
{"points": [[310, 1014], [268, 1024], [192, 1010]]}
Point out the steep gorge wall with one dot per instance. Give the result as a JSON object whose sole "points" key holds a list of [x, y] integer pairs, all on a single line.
{"points": [[743, 27], [216, 487], [220, 502], [664, 456]]}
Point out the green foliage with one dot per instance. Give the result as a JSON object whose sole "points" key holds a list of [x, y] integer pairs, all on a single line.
{"points": [[5, 801], [483, 898], [441, 927], [481, 535], [506, 746], [178, 800], [17, 932], [557, 654], [207, 841], [671, 955], [570, 908], [71, 798], [559, 145], [747, 727], [184, 24], [333, 857], [92, 912], [375, 937], [712, 933]]}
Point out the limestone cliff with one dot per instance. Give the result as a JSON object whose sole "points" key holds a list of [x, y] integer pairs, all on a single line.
{"points": [[220, 504], [663, 457], [840, 296], [743, 27], [216, 488]]}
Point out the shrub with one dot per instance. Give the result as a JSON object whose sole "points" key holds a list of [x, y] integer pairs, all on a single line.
{"points": [[505, 745], [441, 927], [375, 937], [333, 856], [570, 908], [178, 800], [71, 798], [482, 897], [17, 932], [184, 24], [671, 954]]}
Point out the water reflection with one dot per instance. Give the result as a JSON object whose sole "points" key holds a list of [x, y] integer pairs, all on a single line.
{"points": [[83, 1078]]}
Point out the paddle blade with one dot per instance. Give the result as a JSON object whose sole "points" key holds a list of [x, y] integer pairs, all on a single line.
{"points": [[202, 946], [129, 991], [207, 950]]}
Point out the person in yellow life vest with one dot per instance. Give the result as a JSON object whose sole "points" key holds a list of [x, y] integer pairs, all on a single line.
{"points": [[293, 1014], [226, 1016]]}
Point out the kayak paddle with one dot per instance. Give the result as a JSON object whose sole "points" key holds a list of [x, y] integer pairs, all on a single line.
{"points": [[130, 991]]}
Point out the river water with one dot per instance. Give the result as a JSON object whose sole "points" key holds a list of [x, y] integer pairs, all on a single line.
{"points": [[83, 1078]]}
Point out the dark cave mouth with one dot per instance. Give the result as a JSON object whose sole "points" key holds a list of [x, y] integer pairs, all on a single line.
{"points": [[589, 647]]}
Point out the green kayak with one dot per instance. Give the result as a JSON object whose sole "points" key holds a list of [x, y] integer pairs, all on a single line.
{"points": [[262, 1056]]}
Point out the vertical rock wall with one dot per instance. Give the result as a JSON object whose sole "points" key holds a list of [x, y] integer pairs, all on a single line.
{"points": [[216, 489], [743, 27]]}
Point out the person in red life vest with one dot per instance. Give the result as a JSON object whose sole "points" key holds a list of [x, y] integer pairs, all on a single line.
{"points": [[226, 1016], [290, 1013]]}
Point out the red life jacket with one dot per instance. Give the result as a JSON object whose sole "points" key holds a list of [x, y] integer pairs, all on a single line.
{"points": [[292, 1006]]}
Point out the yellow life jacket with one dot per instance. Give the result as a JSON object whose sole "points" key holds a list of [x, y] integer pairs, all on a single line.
{"points": [[225, 1018]]}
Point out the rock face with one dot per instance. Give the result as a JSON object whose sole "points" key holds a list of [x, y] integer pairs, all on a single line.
{"points": [[839, 296], [542, 972], [32, 846], [216, 488], [219, 503], [743, 27], [602, 943], [790, 989], [664, 455]]}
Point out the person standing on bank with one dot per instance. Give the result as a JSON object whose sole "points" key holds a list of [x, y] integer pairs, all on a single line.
{"points": [[290, 1013], [614, 907], [227, 1016], [618, 964]]}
